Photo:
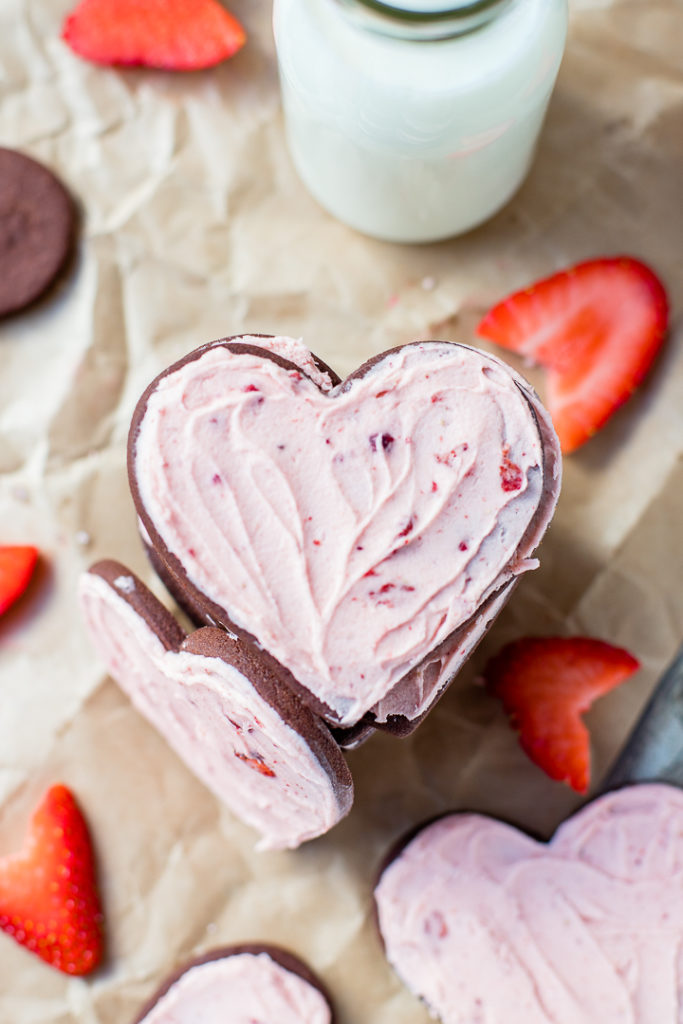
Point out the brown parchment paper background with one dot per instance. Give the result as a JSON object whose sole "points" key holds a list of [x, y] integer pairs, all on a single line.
{"points": [[194, 226]]}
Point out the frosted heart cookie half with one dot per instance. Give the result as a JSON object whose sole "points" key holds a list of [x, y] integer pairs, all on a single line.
{"points": [[486, 924], [226, 710], [364, 532], [239, 985]]}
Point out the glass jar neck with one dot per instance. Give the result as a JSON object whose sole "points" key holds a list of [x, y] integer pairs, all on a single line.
{"points": [[422, 19]]}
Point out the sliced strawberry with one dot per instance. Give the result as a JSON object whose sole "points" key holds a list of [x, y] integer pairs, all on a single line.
{"points": [[178, 35], [596, 327], [17, 563], [48, 892], [545, 684]]}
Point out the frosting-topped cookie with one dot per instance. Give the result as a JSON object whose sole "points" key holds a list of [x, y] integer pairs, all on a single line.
{"points": [[241, 985], [364, 533], [225, 709], [486, 924]]}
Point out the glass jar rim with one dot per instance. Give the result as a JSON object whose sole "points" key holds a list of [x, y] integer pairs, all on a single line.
{"points": [[463, 9], [455, 18]]}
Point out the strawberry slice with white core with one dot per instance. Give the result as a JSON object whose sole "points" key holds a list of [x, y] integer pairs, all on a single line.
{"points": [[596, 328]]}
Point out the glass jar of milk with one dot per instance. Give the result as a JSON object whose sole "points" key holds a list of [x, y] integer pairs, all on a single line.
{"points": [[417, 120]]}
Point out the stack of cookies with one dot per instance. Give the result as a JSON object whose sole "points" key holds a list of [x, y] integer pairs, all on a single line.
{"points": [[342, 546]]}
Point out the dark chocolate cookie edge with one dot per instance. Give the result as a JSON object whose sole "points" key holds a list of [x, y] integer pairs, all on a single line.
{"points": [[281, 956]]}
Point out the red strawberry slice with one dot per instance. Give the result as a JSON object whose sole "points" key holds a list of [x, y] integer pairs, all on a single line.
{"points": [[178, 35], [596, 327], [17, 563], [48, 893], [545, 684]]}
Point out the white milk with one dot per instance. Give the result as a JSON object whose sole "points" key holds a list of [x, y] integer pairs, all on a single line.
{"points": [[415, 130]]}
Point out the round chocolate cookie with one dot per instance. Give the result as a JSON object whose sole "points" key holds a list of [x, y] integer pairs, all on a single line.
{"points": [[37, 227], [264, 959]]}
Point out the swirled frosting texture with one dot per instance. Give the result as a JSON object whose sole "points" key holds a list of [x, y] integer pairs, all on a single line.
{"points": [[350, 530], [487, 925], [216, 721], [245, 988]]}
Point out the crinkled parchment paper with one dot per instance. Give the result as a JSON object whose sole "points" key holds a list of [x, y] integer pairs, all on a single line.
{"points": [[194, 226]]}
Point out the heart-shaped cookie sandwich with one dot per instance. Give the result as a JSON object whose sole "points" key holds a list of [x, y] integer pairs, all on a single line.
{"points": [[364, 533], [226, 710], [241, 985], [485, 924]]}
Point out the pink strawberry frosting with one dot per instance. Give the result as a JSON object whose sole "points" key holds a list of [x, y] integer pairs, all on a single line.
{"points": [[217, 722], [489, 926], [351, 529], [245, 988]]}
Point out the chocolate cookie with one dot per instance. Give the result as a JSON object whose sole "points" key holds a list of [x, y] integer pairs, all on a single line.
{"points": [[364, 533], [226, 709], [37, 227], [255, 982]]}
